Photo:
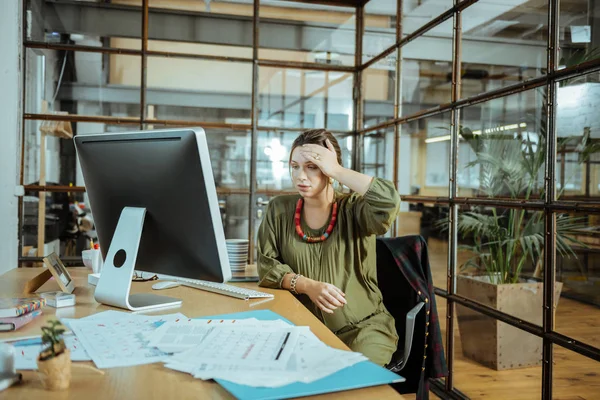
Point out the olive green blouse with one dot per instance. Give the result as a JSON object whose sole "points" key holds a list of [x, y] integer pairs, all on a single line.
{"points": [[346, 259]]}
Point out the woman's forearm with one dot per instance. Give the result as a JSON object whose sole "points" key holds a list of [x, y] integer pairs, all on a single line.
{"points": [[356, 181]]}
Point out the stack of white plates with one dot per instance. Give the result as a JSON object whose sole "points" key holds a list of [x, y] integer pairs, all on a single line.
{"points": [[237, 250]]}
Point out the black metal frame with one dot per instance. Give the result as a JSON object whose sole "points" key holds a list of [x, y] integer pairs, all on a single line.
{"points": [[549, 205]]}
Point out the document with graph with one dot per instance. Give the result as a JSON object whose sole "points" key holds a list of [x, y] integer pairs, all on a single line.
{"points": [[113, 340], [185, 334], [243, 346]]}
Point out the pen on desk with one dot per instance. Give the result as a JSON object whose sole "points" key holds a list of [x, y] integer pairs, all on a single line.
{"points": [[16, 339], [261, 301], [287, 336], [27, 340]]}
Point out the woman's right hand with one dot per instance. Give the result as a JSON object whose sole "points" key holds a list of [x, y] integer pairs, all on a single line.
{"points": [[325, 295]]}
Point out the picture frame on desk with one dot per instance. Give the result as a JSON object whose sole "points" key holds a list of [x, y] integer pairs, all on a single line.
{"points": [[59, 272]]}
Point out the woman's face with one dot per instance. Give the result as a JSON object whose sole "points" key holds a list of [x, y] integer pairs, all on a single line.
{"points": [[306, 176]]}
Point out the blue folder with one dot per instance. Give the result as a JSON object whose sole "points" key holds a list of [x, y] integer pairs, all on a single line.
{"points": [[362, 374]]}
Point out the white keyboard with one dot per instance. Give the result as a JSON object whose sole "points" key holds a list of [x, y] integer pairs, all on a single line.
{"points": [[222, 288]]}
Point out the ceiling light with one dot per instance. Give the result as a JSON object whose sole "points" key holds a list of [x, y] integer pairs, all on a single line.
{"points": [[437, 139], [478, 132]]}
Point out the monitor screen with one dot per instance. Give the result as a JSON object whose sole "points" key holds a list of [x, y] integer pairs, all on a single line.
{"points": [[167, 172]]}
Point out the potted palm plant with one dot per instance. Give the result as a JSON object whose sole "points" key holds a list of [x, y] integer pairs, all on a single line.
{"points": [[501, 243], [54, 361]]}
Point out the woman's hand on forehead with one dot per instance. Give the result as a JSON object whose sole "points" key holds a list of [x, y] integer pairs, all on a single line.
{"points": [[324, 158]]}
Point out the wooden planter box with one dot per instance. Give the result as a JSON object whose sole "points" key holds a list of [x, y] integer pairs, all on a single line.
{"points": [[493, 343]]}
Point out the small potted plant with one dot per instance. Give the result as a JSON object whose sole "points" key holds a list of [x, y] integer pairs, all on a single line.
{"points": [[54, 361]]}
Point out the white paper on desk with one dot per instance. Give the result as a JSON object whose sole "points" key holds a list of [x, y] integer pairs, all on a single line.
{"points": [[178, 336], [26, 356], [326, 363], [119, 341], [310, 361], [245, 346], [109, 314], [315, 359]]}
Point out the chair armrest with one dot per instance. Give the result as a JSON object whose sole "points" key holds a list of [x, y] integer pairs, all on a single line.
{"points": [[411, 317]]}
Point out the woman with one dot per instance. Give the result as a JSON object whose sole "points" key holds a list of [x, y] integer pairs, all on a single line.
{"points": [[320, 245]]}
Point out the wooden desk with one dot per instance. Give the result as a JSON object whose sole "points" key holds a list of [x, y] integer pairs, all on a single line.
{"points": [[155, 381]]}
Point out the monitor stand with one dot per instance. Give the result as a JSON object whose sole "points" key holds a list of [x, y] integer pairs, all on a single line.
{"points": [[115, 280]]}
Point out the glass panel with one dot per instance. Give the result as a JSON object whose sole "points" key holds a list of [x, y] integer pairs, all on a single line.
{"points": [[503, 43], [305, 99], [273, 173], [378, 90], [82, 83], [272, 167], [579, 22], [422, 219], [61, 167], [415, 14], [502, 252], [501, 152], [578, 277], [380, 27], [578, 131], [495, 360], [201, 27], [216, 7], [63, 234], [307, 32], [200, 48], [574, 374], [234, 211], [85, 23], [479, 77], [424, 157], [378, 154], [317, 57], [570, 173], [199, 90], [172, 46], [426, 73], [346, 142], [230, 158]]}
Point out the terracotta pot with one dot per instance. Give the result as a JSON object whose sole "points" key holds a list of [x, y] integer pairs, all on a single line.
{"points": [[56, 372]]}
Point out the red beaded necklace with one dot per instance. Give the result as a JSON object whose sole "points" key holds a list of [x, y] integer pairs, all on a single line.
{"points": [[311, 239]]}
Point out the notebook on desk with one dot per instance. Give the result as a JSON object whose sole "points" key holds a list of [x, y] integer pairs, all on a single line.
{"points": [[363, 374]]}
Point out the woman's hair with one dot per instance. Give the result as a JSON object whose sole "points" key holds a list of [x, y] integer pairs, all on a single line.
{"points": [[317, 136]]}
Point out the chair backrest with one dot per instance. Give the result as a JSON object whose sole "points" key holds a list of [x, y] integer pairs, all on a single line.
{"points": [[400, 298]]}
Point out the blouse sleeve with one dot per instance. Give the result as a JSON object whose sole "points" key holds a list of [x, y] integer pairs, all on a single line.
{"points": [[270, 269], [376, 210]]}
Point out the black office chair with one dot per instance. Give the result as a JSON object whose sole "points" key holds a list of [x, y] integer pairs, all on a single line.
{"points": [[402, 301]]}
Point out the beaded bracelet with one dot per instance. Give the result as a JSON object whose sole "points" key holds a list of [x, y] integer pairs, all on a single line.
{"points": [[293, 283]]}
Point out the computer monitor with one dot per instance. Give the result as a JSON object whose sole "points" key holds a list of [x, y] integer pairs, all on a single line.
{"points": [[154, 203]]}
